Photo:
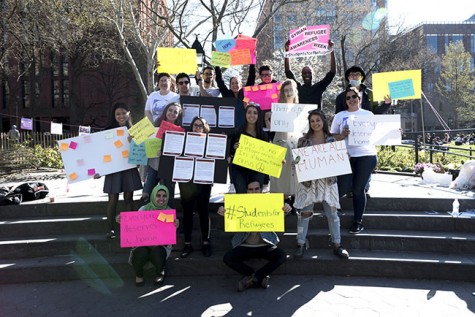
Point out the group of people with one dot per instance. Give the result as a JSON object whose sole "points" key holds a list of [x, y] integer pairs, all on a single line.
{"points": [[158, 192]]}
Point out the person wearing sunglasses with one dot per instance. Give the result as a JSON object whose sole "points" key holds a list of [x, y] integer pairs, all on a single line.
{"points": [[265, 73], [206, 81], [355, 77], [363, 158]]}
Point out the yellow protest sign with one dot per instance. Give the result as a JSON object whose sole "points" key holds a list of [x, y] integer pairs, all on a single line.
{"points": [[254, 212], [260, 156], [176, 60], [152, 146], [405, 84], [220, 59], [142, 130]]}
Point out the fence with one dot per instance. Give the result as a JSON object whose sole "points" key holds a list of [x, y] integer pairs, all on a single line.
{"points": [[45, 139]]}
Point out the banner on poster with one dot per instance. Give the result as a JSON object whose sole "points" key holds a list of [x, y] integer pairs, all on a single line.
{"points": [[147, 228], [321, 160], [405, 84], [253, 212], [375, 130], [309, 41]]}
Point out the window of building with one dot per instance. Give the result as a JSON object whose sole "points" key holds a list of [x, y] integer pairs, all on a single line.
{"points": [[66, 93], [431, 41], [456, 38], [56, 94]]}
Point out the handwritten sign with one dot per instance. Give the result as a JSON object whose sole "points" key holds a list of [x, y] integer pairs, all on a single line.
{"points": [[260, 156], [240, 57], [176, 60], [137, 153], [152, 146], [288, 117], [322, 160], [309, 41], [247, 42], [402, 83], [221, 59], [142, 130], [254, 212], [167, 126], [147, 228], [225, 45], [264, 95], [375, 130]]}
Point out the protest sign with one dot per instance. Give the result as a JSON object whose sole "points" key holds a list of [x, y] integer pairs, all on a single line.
{"points": [[167, 126], [142, 130], [240, 57], [321, 160], [137, 154], [147, 228], [56, 128], [402, 85], [264, 94], [260, 156], [221, 59], [290, 117], [26, 124], [224, 44], [152, 146], [176, 60], [308, 41], [375, 130], [247, 42], [84, 130], [254, 212]]}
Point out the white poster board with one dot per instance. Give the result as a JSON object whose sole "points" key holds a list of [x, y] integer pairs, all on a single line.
{"points": [[104, 152], [288, 117], [375, 130], [322, 160]]}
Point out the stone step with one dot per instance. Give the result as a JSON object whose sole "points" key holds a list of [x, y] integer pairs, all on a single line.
{"points": [[110, 270]]}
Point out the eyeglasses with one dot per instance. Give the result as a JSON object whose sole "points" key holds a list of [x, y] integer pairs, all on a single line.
{"points": [[355, 75], [183, 82], [198, 126], [351, 97]]}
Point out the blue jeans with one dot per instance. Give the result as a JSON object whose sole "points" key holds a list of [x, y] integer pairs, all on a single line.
{"points": [[361, 168], [332, 218]]}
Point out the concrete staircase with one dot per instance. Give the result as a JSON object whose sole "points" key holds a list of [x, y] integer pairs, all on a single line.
{"points": [[404, 238]]}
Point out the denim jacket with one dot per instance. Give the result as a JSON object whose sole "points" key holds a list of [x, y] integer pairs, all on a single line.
{"points": [[240, 237]]}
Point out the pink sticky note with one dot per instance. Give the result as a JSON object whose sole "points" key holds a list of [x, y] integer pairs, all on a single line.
{"points": [[91, 172], [80, 162], [73, 145]]}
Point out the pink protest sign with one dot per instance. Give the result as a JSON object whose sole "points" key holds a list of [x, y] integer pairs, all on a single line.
{"points": [[308, 41], [264, 94], [167, 126], [147, 228], [247, 42]]}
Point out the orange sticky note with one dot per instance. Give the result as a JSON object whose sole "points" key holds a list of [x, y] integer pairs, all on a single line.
{"points": [[274, 96], [125, 154], [73, 176], [64, 146], [269, 86], [245, 99], [263, 87], [169, 218], [162, 217], [107, 158], [255, 88], [120, 132], [278, 86], [118, 143], [247, 88]]}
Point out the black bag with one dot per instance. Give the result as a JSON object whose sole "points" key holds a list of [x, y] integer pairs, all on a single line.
{"points": [[24, 192]]}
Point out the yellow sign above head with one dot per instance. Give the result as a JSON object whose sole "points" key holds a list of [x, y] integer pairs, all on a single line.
{"points": [[254, 213], [404, 84], [176, 60], [142, 130], [220, 59], [260, 156]]}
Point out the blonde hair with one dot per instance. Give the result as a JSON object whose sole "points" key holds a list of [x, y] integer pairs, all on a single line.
{"points": [[282, 98]]}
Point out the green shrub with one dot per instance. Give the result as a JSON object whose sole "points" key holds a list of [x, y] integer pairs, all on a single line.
{"points": [[48, 157]]}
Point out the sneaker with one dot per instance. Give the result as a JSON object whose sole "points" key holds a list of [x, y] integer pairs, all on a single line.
{"points": [[265, 282], [245, 283], [186, 250], [341, 253], [206, 249], [301, 250], [356, 227], [111, 234]]}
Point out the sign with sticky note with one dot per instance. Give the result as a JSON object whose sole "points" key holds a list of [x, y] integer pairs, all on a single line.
{"points": [[221, 59], [264, 95], [405, 84], [375, 130], [142, 130], [95, 153], [176, 60], [254, 213], [240, 57], [309, 41], [259, 156], [147, 228]]}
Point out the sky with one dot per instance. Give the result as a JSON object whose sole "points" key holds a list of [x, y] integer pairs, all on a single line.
{"points": [[413, 12]]}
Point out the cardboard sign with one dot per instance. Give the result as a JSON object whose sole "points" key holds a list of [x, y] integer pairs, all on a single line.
{"points": [[375, 130], [260, 156], [147, 228], [309, 41], [320, 161], [253, 213], [404, 84]]}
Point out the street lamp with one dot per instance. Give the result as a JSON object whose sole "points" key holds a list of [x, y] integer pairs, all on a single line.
{"points": [[200, 53]]}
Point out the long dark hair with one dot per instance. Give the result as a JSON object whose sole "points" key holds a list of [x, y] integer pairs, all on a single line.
{"points": [[260, 134], [322, 116], [113, 123], [158, 122], [206, 127]]}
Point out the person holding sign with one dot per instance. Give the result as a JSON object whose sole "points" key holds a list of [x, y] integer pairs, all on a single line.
{"points": [[172, 113], [323, 190], [363, 158], [157, 255], [254, 245], [252, 127], [195, 197], [311, 93], [157, 100], [125, 181], [355, 76], [208, 82]]}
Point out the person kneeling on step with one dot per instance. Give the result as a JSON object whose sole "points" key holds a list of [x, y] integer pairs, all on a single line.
{"points": [[254, 245]]}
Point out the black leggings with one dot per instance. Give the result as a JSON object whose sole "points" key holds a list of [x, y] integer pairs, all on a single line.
{"points": [[141, 255], [195, 197]]}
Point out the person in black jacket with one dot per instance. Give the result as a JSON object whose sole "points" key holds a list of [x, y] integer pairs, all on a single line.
{"points": [[355, 76]]}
